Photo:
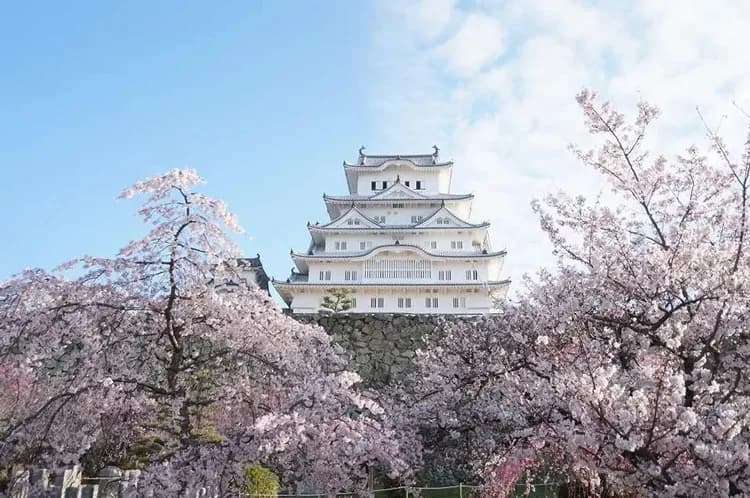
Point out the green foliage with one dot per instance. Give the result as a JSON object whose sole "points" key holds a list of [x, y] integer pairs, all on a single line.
{"points": [[338, 300], [137, 456], [260, 481]]}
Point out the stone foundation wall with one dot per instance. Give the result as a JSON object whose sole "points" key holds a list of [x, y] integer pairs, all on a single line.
{"points": [[381, 346]]}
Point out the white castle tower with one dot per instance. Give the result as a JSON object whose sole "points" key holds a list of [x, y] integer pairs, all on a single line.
{"points": [[399, 242]]}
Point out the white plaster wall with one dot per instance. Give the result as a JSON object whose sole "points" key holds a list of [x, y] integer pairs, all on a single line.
{"points": [[458, 271], [422, 239], [474, 302], [432, 182], [460, 207]]}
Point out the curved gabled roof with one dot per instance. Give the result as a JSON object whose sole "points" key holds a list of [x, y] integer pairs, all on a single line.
{"points": [[378, 249], [448, 212], [344, 215]]}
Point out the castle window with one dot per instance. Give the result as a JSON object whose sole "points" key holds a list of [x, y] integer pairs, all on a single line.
{"points": [[377, 302], [325, 275], [406, 183], [373, 185], [397, 205], [457, 244], [404, 302], [433, 244], [419, 185], [472, 275], [407, 269], [459, 302], [431, 302], [444, 275], [384, 185], [354, 302]]}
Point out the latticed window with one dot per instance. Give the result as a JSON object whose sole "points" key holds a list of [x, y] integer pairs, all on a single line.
{"points": [[404, 302], [398, 269], [430, 302], [472, 275]]}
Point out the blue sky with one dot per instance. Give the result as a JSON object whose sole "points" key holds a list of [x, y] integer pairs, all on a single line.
{"points": [[266, 98]]}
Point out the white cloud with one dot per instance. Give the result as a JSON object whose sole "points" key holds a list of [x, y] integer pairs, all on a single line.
{"points": [[478, 41], [494, 84]]}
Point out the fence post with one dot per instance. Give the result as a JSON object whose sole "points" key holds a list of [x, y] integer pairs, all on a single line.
{"points": [[460, 490]]}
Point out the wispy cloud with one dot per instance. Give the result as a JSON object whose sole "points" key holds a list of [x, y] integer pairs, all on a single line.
{"points": [[494, 84]]}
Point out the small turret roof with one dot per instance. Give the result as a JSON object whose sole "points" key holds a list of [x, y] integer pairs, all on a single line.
{"points": [[368, 160]]}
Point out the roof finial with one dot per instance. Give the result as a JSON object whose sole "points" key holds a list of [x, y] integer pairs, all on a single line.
{"points": [[442, 203], [397, 243], [362, 151], [398, 178], [436, 149]]}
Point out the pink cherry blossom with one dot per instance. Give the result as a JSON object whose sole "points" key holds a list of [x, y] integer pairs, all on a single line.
{"points": [[629, 363], [113, 353]]}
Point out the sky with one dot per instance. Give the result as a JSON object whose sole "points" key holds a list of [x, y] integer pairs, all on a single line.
{"points": [[267, 98]]}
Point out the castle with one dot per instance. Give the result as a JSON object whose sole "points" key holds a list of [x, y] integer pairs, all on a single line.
{"points": [[399, 242]]}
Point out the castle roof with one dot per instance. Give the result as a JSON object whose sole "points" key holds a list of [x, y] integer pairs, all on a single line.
{"points": [[419, 160], [301, 259], [379, 198]]}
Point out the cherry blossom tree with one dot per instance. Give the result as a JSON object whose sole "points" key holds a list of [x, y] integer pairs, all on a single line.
{"points": [[628, 363], [138, 360]]}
